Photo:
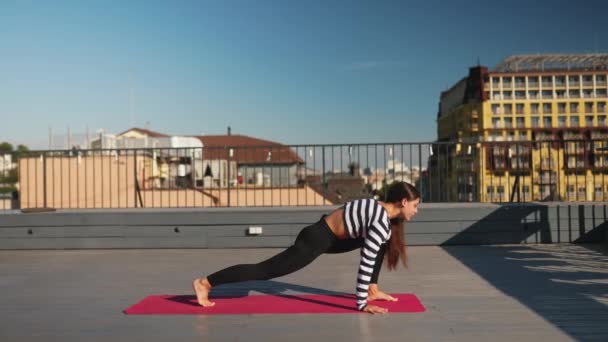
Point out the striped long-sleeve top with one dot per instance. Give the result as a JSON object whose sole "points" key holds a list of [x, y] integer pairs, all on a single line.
{"points": [[367, 219]]}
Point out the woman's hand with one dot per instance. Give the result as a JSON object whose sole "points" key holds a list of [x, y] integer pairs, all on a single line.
{"points": [[372, 309]]}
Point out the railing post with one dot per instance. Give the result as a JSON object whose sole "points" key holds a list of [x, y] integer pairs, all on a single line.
{"points": [[228, 173], [44, 193]]}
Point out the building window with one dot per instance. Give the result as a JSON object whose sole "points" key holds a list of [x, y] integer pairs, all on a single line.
{"points": [[495, 109], [506, 95], [547, 81], [601, 120], [560, 81], [535, 120], [589, 121], [508, 122], [587, 80], [560, 94], [547, 122], [587, 93], [574, 121], [561, 108], [519, 108], [574, 108], [520, 122], [547, 108], [534, 108], [520, 82], [589, 107], [532, 81], [533, 94], [601, 92], [547, 94], [496, 123], [601, 107], [574, 93], [508, 108], [523, 135], [561, 121], [573, 81]]}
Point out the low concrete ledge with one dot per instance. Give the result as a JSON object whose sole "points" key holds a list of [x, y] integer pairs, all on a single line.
{"points": [[436, 224]]}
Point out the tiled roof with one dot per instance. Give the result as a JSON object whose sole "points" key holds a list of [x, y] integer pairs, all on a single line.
{"points": [[248, 150], [146, 132]]}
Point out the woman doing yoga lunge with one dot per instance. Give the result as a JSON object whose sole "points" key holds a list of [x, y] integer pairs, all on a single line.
{"points": [[374, 226]]}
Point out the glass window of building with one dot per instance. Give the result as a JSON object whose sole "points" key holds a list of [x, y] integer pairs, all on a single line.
{"points": [[561, 121], [561, 108], [535, 120], [574, 121], [519, 108], [508, 108], [547, 122], [533, 94], [587, 80], [560, 81], [523, 135], [573, 80], [574, 93], [508, 122], [601, 107], [520, 122], [574, 108], [547, 108], [506, 95], [589, 121], [496, 123], [534, 108], [589, 107], [560, 94], [532, 81], [520, 95], [495, 109]]}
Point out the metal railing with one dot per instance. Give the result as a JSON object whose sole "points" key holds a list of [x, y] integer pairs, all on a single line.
{"points": [[304, 175]]}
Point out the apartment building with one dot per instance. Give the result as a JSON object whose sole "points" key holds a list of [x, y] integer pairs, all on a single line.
{"points": [[533, 127]]}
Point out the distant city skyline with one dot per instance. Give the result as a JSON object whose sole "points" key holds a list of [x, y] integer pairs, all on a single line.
{"points": [[295, 73]]}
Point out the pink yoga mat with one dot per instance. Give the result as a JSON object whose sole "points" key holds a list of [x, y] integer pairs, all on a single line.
{"points": [[266, 304]]}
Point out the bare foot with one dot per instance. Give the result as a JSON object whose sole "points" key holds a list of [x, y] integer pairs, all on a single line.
{"points": [[379, 295], [201, 288]]}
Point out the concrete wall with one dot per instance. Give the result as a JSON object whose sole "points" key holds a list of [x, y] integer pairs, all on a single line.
{"points": [[436, 224]]}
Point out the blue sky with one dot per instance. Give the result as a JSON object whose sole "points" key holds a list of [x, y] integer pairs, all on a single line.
{"points": [[296, 72]]}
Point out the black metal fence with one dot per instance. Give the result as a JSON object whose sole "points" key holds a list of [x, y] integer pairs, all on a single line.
{"points": [[303, 175]]}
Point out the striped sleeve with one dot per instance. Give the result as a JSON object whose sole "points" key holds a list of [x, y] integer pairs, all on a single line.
{"points": [[378, 233]]}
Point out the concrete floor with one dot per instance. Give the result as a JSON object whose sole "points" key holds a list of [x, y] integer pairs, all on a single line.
{"points": [[472, 293]]}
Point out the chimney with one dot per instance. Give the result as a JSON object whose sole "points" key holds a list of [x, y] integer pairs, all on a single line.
{"points": [[229, 130]]}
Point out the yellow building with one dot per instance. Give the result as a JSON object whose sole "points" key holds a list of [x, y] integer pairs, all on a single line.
{"points": [[534, 127]]}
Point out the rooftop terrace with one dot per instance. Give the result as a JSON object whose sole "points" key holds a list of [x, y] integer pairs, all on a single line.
{"points": [[553, 292]]}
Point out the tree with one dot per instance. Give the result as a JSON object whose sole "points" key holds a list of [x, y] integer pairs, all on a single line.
{"points": [[6, 147], [21, 150]]}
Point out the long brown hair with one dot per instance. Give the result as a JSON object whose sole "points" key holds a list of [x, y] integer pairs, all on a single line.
{"points": [[395, 249]]}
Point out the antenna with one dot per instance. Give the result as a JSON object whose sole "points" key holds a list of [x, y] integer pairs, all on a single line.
{"points": [[131, 98]]}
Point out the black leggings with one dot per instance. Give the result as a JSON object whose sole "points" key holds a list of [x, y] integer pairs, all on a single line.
{"points": [[311, 242]]}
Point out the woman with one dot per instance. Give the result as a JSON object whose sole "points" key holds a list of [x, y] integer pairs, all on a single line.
{"points": [[376, 227]]}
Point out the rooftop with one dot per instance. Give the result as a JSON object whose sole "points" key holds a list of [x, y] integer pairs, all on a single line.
{"points": [[553, 62], [553, 292]]}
